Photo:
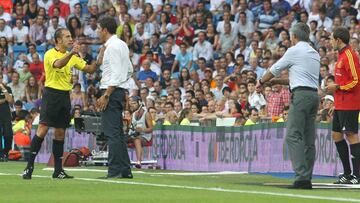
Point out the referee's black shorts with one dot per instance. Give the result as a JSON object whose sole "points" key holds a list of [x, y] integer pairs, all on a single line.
{"points": [[345, 121], [55, 108]]}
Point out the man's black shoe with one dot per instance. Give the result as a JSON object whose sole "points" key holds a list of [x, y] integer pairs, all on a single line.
{"points": [[302, 184], [109, 177], [61, 175], [28, 173], [129, 176]]}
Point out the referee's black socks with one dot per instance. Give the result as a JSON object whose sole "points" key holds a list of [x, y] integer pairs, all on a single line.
{"points": [[343, 150], [34, 150], [355, 158], [58, 150]]}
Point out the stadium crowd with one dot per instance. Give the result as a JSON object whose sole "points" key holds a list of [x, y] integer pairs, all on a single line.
{"points": [[193, 60]]}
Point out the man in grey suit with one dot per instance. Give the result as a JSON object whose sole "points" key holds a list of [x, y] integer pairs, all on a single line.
{"points": [[303, 64]]}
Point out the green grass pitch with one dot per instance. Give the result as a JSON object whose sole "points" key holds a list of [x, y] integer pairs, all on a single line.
{"points": [[157, 186]]}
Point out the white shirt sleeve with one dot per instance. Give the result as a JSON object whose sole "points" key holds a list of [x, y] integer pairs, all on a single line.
{"points": [[283, 63]]}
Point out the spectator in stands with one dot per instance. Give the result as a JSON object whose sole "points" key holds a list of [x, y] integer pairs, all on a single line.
{"points": [[45, 3], [5, 59], [135, 10], [185, 116], [284, 115], [18, 106], [184, 32], [24, 73], [253, 118], [141, 127], [256, 98], [21, 33], [275, 101], [74, 26], [77, 97], [90, 31], [33, 94], [31, 52], [203, 48], [326, 114], [31, 10], [183, 60], [37, 33], [171, 118], [217, 91], [331, 9], [102, 5], [79, 14], [17, 88], [37, 68], [51, 30], [226, 40], [267, 16], [64, 8], [5, 15], [246, 26], [324, 21], [19, 14], [146, 72], [148, 27], [7, 5], [5, 30], [270, 41], [167, 59]]}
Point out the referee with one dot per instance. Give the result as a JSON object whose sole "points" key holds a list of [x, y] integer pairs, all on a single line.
{"points": [[56, 106], [347, 104], [116, 72], [303, 63]]}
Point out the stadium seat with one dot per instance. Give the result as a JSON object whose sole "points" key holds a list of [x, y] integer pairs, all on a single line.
{"points": [[18, 49], [41, 50]]}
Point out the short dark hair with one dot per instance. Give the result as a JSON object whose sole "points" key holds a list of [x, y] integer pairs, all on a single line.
{"points": [[342, 33], [58, 34], [108, 23]]}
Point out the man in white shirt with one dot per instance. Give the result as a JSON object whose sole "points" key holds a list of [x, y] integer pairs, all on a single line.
{"points": [[116, 71], [203, 48], [256, 99], [246, 27], [21, 33], [5, 30], [5, 16], [135, 11], [221, 25], [44, 4], [157, 4], [51, 30], [90, 31]]}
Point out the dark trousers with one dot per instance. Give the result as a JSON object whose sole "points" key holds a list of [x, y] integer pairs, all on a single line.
{"points": [[301, 132], [112, 126], [6, 135]]}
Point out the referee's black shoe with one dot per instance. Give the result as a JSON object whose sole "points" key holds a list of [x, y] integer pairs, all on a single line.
{"points": [[27, 173], [302, 184], [61, 175], [347, 179]]}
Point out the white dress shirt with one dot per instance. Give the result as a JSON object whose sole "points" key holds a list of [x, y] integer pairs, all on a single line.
{"points": [[303, 63], [116, 67]]}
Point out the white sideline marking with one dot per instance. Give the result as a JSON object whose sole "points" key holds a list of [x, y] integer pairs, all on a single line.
{"points": [[159, 173], [214, 189]]}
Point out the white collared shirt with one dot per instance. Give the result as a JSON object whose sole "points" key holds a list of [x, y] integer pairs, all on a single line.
{"points": [[116, 66]]}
